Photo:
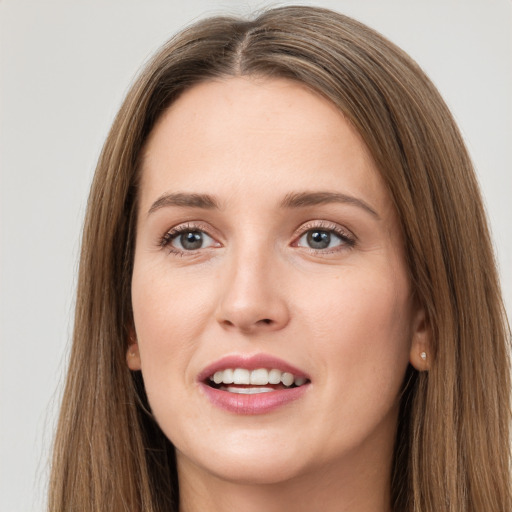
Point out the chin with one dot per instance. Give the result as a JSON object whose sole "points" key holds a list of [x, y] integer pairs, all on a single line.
{"points": [[254, 463], [253, 472]]}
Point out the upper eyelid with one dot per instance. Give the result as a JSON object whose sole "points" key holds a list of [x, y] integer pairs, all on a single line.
{"points": [[189, 225], [324, 225], [193, 226], [304, 226]]}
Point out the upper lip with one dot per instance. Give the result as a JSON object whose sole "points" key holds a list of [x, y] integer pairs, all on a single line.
{"points": [[250, 362]]}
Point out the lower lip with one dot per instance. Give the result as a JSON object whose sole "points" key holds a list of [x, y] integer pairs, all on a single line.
{"points": [[259, 403]]}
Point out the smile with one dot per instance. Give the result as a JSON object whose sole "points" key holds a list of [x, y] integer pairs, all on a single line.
{"points": [[252, 385]]}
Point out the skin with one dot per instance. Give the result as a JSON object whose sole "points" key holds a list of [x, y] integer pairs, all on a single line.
{"points": [[344, 315]]}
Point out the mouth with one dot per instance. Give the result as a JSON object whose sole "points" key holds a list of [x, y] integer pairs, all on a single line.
{"points": [[250, 382]]}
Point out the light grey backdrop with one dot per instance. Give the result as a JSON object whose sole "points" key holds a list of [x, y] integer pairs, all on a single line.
{"points": [[65, 66]]}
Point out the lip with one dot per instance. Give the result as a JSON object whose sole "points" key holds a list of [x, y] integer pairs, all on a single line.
{"points": [[259, 403]]}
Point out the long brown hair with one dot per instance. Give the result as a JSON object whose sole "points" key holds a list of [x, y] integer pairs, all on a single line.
{"points": [[452, 447]]}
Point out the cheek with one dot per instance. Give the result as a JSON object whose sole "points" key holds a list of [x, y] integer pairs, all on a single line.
{"points": [[169, 314], [166, 322], [360, 323]]}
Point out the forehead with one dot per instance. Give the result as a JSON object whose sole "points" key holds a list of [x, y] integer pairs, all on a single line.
{"points": [[248, 135]]}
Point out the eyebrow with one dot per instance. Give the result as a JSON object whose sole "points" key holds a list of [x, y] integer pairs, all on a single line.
{"points": [[291, 200], [305, 199], [183, 199]]}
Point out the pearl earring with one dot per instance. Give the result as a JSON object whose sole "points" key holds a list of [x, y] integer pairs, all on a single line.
{"points": [[423, 356]]}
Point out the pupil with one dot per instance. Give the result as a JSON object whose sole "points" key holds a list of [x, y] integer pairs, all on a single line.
{"points": [[191, 240], [319, 239]]}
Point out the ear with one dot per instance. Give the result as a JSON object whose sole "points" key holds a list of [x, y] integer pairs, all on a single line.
{"points": [[420, 355], [133, 357], [132, 353]]}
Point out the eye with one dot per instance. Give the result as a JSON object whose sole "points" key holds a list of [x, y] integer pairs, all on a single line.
{"points": [[319, 239], [322, 238], [187, 239], [191, 240]]}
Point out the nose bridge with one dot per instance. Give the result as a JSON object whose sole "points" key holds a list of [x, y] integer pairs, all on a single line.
{"points": [[250, 298]]}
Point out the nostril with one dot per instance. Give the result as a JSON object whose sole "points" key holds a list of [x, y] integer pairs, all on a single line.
{"points": [[266, 321]]}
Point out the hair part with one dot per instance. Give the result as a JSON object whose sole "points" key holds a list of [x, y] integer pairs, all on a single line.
{"points": [[452, 448]]}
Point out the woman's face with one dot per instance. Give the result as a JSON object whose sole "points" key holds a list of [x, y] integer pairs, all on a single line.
{"points": [[268, 249]]}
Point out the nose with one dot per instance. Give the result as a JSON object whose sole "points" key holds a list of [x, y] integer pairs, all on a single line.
{"points": [[252, 296]]}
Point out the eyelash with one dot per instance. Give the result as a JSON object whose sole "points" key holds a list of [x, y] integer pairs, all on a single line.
{"points": [[167, 239], [346, 237]]}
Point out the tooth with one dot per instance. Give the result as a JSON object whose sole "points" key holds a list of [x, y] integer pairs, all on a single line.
{"points": [[241, 376], [228, 376], [287, 379], [259, 376], [247, 391], [274, 376], [254, 391]]}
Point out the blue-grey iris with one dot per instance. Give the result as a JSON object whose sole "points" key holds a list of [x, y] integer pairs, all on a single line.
{"points": [[319, 239]]}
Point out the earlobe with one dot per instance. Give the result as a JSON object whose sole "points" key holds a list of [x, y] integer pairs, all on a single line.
{"points": [[421, 352], [133, 357], [420, 359]]}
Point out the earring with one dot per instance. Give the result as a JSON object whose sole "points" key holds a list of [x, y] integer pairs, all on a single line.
{"points": [[423, 356]]}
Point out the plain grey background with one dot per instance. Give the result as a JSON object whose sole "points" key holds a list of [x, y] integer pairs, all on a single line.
{"points": [[64, 68]]}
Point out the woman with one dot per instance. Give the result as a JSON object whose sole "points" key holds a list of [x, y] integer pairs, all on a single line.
{"points": [[287, 293]]}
